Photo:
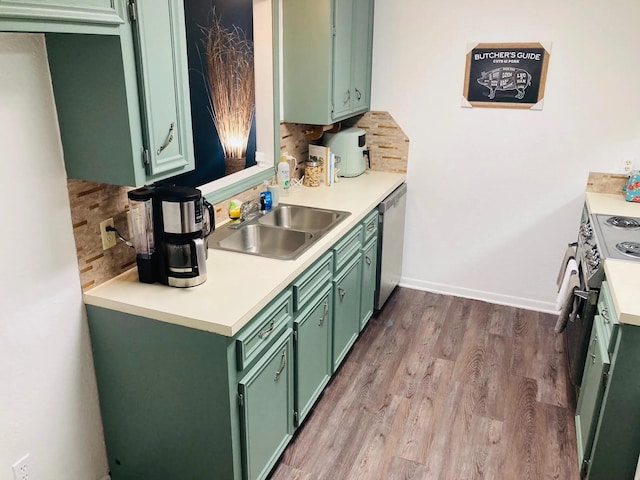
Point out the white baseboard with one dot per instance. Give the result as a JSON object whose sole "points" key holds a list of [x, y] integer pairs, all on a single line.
{"points": [[518, 302]]}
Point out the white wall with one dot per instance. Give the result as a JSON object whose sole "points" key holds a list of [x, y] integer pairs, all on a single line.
{"points": [[495, 194], [48, 396]]}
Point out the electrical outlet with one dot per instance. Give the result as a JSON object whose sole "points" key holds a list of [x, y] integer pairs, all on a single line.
{"points": [[21, 469], [627, 166], [108, 238]]}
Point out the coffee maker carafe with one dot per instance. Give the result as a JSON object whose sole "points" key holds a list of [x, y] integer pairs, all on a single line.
{"points": [[179, 219]]}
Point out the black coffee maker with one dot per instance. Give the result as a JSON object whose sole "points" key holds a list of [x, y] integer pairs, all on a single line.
{"points": [[169, 226]]}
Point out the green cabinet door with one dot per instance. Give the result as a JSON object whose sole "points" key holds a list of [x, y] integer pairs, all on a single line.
{"points": [[312, 329], [123, 100], [361, 54], [346, 311], [327, 46], [369, 265], [163, 76], [591, 391], [266, 409], [77, 16], [342, 50]]}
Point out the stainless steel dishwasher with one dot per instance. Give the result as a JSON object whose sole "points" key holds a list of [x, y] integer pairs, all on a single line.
{"points": [[391, 213]]}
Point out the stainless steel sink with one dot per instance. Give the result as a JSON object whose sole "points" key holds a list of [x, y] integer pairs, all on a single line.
{"points": [[307, 219], [266, 241], [284, 233]]}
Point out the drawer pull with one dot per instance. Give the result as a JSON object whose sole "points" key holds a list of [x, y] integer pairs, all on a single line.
{"points": [[265, 333], [370, 227], [358, 94], [593, 358], [324, 313], [283, 365], [342, 293], [605, 314], [368, 260], [168, 140]]}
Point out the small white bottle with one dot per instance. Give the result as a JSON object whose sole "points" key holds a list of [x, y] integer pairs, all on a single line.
{"points": [[284, 175]]}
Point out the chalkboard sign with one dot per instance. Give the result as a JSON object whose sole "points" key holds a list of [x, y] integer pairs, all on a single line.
{"points": [[510, 75]]}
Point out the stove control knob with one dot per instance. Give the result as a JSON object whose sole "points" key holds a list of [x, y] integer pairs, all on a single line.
{"points": [[586, 230]]}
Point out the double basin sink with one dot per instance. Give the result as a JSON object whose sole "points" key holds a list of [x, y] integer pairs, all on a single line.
{"points": [[284, 233]]}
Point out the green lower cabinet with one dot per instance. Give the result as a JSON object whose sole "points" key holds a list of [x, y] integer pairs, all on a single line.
{"points": [[266, 409], [346, 311], [312, 329], [592, 392], [369, 265]]}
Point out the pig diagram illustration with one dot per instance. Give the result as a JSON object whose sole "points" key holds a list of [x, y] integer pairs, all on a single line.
{"points": [[504, 79]]}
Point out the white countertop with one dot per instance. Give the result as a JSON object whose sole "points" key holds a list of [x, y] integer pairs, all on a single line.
{"points": [[238, 286], [623, 277]]}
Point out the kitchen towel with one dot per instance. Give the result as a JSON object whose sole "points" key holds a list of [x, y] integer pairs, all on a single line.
{"points": [[570, 306], [571, 267], [569, 254]]}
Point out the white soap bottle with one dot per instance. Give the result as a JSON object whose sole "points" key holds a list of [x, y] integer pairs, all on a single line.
{"points": [[284, 175]]}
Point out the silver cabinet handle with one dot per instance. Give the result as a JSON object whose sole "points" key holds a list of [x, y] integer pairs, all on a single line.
{"points": [[168, 140], [593, 359], [283, 365], [266, 332], [370, 227], [342, 293], [324, 313], [347, 98], [368, 260], [605, 314], [358, 94]]}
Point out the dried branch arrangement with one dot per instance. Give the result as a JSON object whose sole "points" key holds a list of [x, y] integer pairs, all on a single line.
{"points": [[229, 58]]}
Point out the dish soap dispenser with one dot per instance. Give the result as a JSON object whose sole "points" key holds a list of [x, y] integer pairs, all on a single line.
{"points": [[284, 174], [265, 198]]}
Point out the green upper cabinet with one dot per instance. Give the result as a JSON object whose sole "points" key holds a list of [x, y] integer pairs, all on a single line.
{"points": [[161, 49], [79, 16], [327, 48], [123, 101], [361, 54]]}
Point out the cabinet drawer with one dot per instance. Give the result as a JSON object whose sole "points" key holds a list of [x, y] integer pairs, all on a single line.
{"points": [[608, 315], [370, 226], [263, 329], [348, 246], [307, 285]]}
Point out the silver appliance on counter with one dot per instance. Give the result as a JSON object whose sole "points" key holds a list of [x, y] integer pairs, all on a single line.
{"points": [[599, 237], [169, 226], [391, 213]]}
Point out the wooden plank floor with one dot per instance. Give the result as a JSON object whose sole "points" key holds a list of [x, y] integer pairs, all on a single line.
{"points": [[443, 388]]}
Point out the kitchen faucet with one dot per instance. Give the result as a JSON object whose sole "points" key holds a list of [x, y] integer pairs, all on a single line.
{"points": [[248, 211]]}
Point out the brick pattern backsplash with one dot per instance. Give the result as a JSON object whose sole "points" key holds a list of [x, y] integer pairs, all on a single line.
{"points": [[387, 143], [92, 202]]}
